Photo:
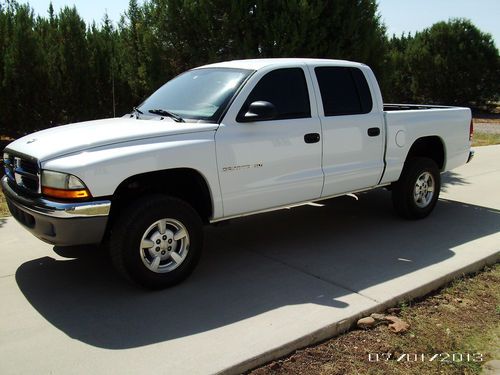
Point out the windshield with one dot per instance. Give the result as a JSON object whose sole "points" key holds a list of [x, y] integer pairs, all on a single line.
{"points": [[200, 94]]}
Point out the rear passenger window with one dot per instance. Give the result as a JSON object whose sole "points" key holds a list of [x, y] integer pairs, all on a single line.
{"points": [[286, 89], [344, 91]]}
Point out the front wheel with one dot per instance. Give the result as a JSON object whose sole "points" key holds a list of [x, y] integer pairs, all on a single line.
{"points": [[157, 241], [415, 194]]}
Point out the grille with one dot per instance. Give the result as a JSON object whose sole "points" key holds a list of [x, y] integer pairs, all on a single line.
{"points": [[23, 172]]}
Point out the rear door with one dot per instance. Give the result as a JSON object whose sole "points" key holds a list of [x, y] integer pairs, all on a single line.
{"points": [[353, 131], [266, 164]]}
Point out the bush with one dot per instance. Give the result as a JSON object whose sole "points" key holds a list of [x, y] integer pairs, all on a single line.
{"points": [[451, 63]]}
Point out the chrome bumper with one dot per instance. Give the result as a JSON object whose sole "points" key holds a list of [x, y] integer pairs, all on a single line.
{"points": [[63, 224]]}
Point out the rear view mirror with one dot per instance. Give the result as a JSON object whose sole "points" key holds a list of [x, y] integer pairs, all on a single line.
{"points": [[259, 111]]}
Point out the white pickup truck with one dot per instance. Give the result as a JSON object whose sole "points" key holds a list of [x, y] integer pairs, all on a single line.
{"points": [[222, 141]]}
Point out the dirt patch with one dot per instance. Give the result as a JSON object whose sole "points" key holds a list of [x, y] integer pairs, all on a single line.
{"points": [[4, 210], [486, 127], [490, 120], [452, 331]]}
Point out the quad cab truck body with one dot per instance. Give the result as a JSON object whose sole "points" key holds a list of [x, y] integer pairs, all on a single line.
{"points": [[221, 141]]}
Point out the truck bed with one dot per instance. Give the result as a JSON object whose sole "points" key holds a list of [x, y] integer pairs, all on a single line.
{"points": [[405, 123]]}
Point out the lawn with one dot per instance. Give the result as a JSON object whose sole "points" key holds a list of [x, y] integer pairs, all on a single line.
{"points": [[485, 139]]}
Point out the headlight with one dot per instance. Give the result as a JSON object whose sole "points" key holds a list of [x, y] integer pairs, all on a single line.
{"points": [[63, 185]]}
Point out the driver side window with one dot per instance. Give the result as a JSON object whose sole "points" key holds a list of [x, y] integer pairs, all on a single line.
{"points": [[286, 89]]}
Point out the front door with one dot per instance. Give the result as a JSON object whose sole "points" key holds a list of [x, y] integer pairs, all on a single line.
{"points": [[270, 163]]}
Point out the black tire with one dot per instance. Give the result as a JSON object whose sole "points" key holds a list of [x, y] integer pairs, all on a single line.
{"points": [[403, 191], [132, 260]]}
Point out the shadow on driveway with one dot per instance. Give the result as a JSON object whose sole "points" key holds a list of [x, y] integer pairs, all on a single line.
{"points": [[451, 178], [251, 266]]}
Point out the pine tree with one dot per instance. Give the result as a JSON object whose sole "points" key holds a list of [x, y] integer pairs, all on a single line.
{"points": [[23, 78]]}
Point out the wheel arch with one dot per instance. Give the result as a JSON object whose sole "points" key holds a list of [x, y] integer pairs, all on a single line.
{"points": [[184, 183], [431, 147]]}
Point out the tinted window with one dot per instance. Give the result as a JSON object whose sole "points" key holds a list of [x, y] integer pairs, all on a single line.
{"points": [[286, 89], [365, 96], [344, 91]]}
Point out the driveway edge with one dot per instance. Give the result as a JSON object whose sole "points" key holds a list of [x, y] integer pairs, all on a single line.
{"points": [[342, 326]]}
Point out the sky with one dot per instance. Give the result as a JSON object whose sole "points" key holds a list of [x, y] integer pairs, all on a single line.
{"points": [[415, 15], [398, 15]]}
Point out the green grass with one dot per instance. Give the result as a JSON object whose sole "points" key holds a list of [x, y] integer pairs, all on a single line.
{"points": [[485, 139]]}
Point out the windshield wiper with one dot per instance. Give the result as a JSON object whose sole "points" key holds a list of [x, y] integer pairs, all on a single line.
{"points": [[163, 112], [137, 111]]}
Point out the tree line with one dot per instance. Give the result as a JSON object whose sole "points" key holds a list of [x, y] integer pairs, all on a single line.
{"points": [[56, 69]]}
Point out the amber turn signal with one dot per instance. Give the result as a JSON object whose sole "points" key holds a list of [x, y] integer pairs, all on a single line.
{"points": [[65, 194]]}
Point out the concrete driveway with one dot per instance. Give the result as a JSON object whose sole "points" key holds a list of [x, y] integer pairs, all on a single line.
{"points": [[266, 284]]}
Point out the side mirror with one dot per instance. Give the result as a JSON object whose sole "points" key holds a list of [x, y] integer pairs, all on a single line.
{"points": [[259, 111]]}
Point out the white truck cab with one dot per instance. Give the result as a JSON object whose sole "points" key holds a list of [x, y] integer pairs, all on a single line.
{"points": [[221, 141]]}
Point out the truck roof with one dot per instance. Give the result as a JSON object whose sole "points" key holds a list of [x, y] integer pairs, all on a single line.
{"points": [[256, 64]]}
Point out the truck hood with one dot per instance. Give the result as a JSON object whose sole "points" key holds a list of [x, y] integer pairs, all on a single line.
{"points": [[66, 139]]}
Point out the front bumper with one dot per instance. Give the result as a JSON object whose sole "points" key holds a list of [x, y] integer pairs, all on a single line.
{"points": [[61, 224]]}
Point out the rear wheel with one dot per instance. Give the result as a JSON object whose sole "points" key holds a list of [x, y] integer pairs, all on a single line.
{"points": [[415, 194], [157, 241]]}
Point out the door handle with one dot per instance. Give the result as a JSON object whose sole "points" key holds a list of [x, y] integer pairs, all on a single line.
{"points": [[373, 132], [312, 138]]}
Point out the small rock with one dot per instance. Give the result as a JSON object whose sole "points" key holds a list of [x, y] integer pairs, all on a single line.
{"points": [[439, 325], [397, 325], [378, 317], [367, 322]]}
